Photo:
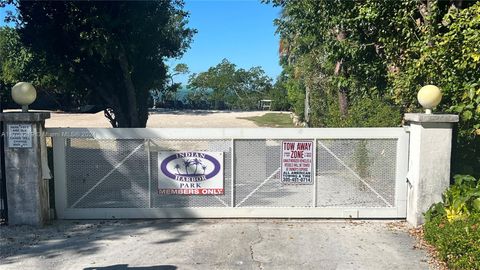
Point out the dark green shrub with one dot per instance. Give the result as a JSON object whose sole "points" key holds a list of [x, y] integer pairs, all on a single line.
{"points": [[457, 241], [279, 97], [366, 112], [453, 226], [296, 96], [459, 201]]}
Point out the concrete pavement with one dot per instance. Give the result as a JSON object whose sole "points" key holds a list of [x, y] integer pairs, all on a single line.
{"points": [[211, 244]]}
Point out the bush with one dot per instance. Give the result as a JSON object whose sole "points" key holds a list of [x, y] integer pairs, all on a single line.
{"points": [[279, 97], [366, 112], [459, 201], [457, 241], [296, 97], [453, 226]]}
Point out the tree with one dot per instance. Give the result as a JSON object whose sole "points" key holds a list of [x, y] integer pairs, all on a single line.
{"points": [[330, 52], [448, 54], [19, 63], [111, 52], [14, 59], [278, 93], [168, 94], [231, 88], [346, 56]]}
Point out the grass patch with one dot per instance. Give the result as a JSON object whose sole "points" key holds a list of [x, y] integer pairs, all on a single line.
{"points": [[277, 120]]}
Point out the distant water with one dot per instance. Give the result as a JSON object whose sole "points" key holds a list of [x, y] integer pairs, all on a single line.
{"points": [[182, 93]]}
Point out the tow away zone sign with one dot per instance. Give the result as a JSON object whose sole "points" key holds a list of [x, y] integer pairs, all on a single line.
{"points": [[297, 162]]}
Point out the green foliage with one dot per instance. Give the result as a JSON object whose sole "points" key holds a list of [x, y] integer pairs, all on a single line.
{"points": [[108, 53], [365, 113], [343, 52], [459, 201], [453, 226], [18, 63], [457, 242], [296, 97], [198, 99], [167, 96], [278, 95], [331, 49], [181, 68], [373, 113], [14, 58], [448, 56], [229, 87]]}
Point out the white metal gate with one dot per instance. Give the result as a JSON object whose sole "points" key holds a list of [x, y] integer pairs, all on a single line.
{"points": [[112, 173]]}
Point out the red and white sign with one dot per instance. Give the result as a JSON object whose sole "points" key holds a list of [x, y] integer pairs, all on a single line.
{"points": [[297, 162]]}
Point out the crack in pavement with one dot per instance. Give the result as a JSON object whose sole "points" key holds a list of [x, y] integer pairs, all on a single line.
{"points": [[259, 240]]}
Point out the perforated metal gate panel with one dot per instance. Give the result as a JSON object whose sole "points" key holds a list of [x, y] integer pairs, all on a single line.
{"points": [[257, 177], [356, 173], [97, 177], [349, 175]]}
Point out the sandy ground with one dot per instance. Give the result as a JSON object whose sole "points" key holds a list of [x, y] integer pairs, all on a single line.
{"points": [[171, 119], [211, 244]]}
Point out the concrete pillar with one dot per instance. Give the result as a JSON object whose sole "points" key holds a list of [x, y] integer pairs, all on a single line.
{"points": [[25, 168], [429, 161]]}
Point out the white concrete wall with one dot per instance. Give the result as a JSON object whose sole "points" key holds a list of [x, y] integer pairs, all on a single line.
{"points": [[429, 162]]}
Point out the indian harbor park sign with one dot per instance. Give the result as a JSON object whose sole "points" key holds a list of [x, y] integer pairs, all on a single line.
{"points": [[190, 173]]}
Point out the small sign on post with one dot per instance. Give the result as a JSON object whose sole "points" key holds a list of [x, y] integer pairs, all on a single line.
{"points": [[19, 135], [297, 162]]}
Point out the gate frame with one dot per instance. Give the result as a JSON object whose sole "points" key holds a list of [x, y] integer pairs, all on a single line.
{"points": [[59, 136]]}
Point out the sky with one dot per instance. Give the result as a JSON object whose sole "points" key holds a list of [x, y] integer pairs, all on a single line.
{"points": [[241, 31], [3, 13]]}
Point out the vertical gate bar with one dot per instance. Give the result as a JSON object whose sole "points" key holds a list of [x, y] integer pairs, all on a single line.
{"points": [[3, 183], [60, 175], [232, 173], [401, 169], [314, 165], [149, 166]]}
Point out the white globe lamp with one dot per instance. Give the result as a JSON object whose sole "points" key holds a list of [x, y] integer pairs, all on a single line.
{"points": [[429, 97], [24, 94]]}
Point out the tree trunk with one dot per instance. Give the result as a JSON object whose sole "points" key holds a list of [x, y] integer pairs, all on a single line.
{"points": [[116, 115], [306, 112], [113, 112], [342, 92], [122, 119], [130, 89], [343, 101], [110, 115]]}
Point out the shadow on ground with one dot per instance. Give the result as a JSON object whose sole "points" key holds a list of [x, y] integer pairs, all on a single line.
{"points": [[125, 267], [83, 238]]}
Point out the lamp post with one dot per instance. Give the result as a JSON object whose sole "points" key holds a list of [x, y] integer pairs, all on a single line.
{"points": [[429, 97], [23, 93]]}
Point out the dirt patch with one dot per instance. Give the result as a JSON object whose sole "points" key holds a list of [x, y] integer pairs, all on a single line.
{"points": [[166, 119], [434, 261]]}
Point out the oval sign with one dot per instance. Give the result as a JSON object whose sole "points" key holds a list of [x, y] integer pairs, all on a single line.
{"points": [[190, 166]]}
